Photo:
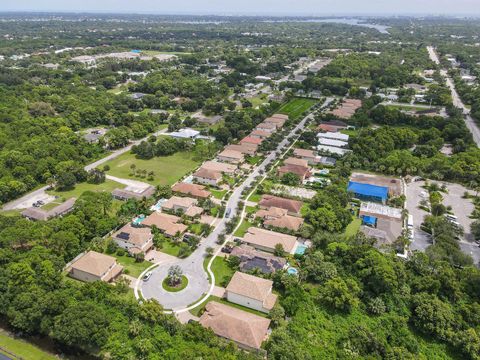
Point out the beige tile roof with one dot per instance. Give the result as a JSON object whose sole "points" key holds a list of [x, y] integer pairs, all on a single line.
{"points": [[260, 133], [194, 211], [252, 287], [280, 116], [208, 174], [268, 239], [271, 212], [94, 263], [240, 326], [275, 120], [219, 166], [301, 171], [179, 201], [231, 154], [245, 148], [295, 161], [287, 221], [293, 206], [267, 126], [137, 236], [169, 224], [251, 140], [304, 153], [191, 189]]}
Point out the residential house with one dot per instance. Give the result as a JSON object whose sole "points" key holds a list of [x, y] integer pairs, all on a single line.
{"points": [[266, 240], [134, 239], [332, 150], [251, 291], [333, 136], [197, 191], [309, 155], [246, 148], [296, 162], [251, 259], [260, 134], [278, 122], [133, 193], [230, 156], [224, 168], [246, 329], [251, 140], [267, 126], [94, 266], [207, 177], [169, 225], [279, 218], [178, 203], [36, 214], [292, 206], [185, 133], [301, 171], [331, 142]]}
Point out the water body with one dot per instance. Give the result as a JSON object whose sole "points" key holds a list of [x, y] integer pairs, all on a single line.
{"points": [[356, 22]]}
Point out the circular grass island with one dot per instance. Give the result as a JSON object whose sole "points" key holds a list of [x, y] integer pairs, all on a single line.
{"points": [[181, 285]]}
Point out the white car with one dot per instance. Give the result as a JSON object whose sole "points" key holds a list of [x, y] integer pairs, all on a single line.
{"points": [[147, 276]]}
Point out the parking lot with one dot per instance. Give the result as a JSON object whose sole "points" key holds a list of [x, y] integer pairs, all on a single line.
{"points": [[421, 239]]}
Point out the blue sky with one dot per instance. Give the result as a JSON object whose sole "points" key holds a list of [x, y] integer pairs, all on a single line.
{"points": [[274, 7]]}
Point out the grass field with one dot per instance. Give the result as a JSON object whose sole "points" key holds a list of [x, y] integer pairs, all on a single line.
{"points": [[255, 197], [220, 268], [199, 309], [79, 189], [167, 169], [353, 228], [295, 107], [218, 194], [134, 268], [22, 348], [242, 229]]}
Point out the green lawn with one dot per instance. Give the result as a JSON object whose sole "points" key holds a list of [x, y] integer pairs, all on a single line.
{"points": [[220, 268], [353, 227], [218, 194], [253, 160], [167, 169], [295, 107], [79, 189], [199, 309], [183, 284], [242, 229], [170, 248], [22, 348], [250, 210], [134, 268], [255, 197]]}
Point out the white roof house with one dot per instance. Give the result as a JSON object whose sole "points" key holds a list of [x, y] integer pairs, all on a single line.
{"points": [[333, 136], [186, 133], [332, 150], [330, 142]]}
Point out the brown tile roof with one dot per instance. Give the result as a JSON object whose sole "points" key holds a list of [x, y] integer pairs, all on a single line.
{"points": [[251, 140], [167, 223], [251, 259], [304, 153], [260, 133], [271, 212], [208, 174], [219, 166], [295, 161], [232, 154], [280, 116], [245, 148], [178, 201], [328, 128], [301, 171], [293, 206], [268, 239], [136, 236], [267, 126], [191, 189], [194, 211], [97, 264], [287, 221], [253, 287], [240, 326]]}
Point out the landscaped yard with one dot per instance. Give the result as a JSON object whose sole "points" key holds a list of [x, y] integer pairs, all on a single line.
{"points": [[242, 229], [255, 197], [220, 268], [218, 194], [167, 169], [295, 107], [134, 268], [353, 228], [199, 309], [107, 186], [22, 348]]}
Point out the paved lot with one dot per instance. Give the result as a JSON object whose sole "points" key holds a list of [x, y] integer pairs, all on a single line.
{"points": [[461, 208], [421, 239]]}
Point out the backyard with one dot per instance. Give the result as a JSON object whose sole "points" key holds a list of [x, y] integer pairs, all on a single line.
{"points": [[295, 107], [133, 268], [167, 169]]}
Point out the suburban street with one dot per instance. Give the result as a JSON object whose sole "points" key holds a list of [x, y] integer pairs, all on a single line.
{"points": [[28, 199], [192, 266], [469, 121]]}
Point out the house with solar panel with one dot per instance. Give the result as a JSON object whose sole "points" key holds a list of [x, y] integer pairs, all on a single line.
{"points": [[134, 239]]}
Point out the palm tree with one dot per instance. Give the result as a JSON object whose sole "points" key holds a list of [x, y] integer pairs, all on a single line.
{"points": [[175, 274]]}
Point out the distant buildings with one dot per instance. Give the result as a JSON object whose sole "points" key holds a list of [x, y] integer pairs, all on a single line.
{"points": [[266, 240], [347, 108], [34, 213], [133, 193]]}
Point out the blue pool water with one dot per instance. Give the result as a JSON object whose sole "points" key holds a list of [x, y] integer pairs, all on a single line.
{"points": [[301, 249], [138, 220], [158, 205], [292, 271]]}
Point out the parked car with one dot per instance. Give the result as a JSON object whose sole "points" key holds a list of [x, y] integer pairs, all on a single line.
{"points": [[147, 276], [229, 211]]}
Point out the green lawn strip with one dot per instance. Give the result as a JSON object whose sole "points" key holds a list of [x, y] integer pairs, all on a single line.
{"points": [[167, 169], [250, 210], [183, 284], [134, 268], [242, 229], [255, 197], [15, 212], [197, 311], [170, 248], [22, 348], [195, 228], [220, 268], [107, 186], [218, 194], [353, 228]]}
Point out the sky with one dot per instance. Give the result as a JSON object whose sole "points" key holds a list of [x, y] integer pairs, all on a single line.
{"points": [[251, 7]]}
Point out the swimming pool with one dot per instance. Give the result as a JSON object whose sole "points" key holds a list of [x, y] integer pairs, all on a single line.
{"points": [[138, 220], [158, 205], [301, 249], [292, 271]]}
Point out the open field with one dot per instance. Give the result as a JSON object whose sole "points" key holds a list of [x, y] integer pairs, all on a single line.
{"points": [[295, 107], [167, 169], [107, 186]]}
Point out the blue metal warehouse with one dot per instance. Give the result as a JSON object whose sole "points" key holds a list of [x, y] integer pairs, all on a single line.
{"points": [[368, 192]]}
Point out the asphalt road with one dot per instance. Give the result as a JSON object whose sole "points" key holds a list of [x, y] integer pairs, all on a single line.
{"points": [[27, 200], [192, 266], [469, 121]]}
